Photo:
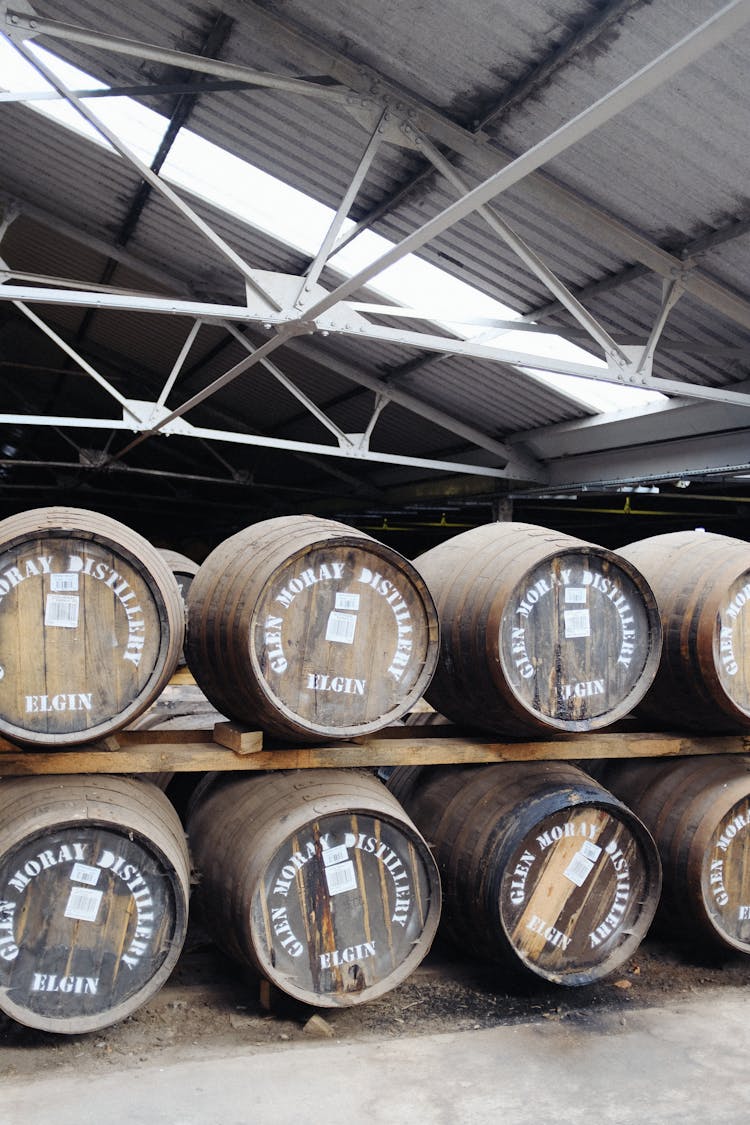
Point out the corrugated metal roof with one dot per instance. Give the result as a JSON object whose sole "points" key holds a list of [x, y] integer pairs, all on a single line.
{"points": [[487, 81]]}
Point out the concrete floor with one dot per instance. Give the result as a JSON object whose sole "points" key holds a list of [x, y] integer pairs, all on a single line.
{"points": [[688, 1061]]}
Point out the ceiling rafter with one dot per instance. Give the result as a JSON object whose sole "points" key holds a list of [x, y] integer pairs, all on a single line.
{"points": [[487, 156], [293, 323]]}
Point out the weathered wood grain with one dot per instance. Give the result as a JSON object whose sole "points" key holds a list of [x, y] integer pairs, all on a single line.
{"points": [[539, 631], [699, 814], [319, 882], [540, 865], [310, 630], [154, 751], [94, 884], [702, 585], [91, 626]]}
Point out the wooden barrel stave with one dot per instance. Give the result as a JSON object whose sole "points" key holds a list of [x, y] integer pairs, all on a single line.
{"points": [[94, 884], [539, 865], [286, 634], [701, 581], [539, 631], [331, 932], [91, 626]]}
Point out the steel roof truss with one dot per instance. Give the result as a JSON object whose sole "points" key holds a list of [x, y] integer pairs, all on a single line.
{"points": [[150, 177], [327, 246], [615, 357], [185, 430], [179, 362], [646, 80], [487, 155], [342, 438], [21, 25]]}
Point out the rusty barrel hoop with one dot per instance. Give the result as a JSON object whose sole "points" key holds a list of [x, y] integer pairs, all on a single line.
{"points": [[310, 630], [94, 884], [539, 631], [701, 581], [698, 811], [316, 879], [91, 626], [540, 866]]}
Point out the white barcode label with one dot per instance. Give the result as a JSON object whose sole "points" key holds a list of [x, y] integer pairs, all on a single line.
{"points": [[347, 601], [84, 873], [341, 877], [83, 904], [575, 594], [577, 623], [63, 583], [335, 855], [579, 869], [341, 627], [591, 851], [62, 610]]}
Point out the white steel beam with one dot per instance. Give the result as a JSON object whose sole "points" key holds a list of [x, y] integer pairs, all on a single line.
{"points": [[514, 461], [169, 306], [714, 31], [312, 408], [151, 178], [614, 356], [527, 362], [352, 453], [288, 326], [316, 266], [21, 25], [488, 158], [694, 456]]}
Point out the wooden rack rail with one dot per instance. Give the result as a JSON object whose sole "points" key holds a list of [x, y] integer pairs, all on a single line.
{"points": [[228, 746]]}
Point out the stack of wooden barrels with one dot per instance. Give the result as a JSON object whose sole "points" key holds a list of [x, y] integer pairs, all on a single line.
{"points": [[331, 883]]}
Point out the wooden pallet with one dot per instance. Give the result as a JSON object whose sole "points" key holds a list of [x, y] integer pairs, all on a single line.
{"points": [[229, 746]]}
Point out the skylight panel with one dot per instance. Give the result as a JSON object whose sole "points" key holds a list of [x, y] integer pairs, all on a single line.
{"points": [[301, 222]]}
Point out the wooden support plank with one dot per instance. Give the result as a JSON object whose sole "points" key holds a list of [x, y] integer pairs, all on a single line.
{"points": [[182, 677], [154, 754], [238, 738], [157, 758]]}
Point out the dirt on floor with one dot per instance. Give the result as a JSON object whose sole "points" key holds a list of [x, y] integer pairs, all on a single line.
{"points": [[209, 1005]]}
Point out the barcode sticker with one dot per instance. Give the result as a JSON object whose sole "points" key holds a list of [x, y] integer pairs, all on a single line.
{"points": [[341, 877], [341, 627], [63, 583], [591, 851], [577, 623], [83, 904], [335, 855], [84, 873], [579, 869], [347, 601], [575, 594], [62, 610]]}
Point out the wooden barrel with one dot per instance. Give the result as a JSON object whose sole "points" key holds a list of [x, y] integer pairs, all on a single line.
{"points": [[91, 626], [310, 630], [539, 631], [539, 865], [184, 571], [183, 568], [698, 811], [702, 586], [316, 879], [94, 879]]}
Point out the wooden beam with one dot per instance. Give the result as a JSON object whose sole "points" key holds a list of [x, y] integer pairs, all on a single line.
{"points": [[194, 751]]}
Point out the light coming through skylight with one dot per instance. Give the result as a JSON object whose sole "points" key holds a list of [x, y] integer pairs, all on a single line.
{"points": [[289, 216]]}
